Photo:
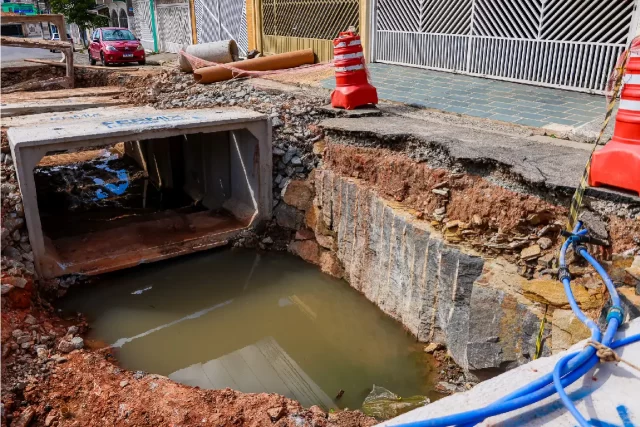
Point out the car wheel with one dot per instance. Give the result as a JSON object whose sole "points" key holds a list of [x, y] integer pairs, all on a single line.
{"points": [[144, 61], [104, 63], [91, 60]]}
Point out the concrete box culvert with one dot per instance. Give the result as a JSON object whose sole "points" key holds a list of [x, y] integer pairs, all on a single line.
{"points": [[225, 156]]}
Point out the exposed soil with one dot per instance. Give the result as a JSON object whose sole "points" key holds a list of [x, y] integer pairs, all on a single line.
{"points": [[311, 78], [12, 76], [89, 390], [411, 183], [625, 233], [42, 386], [467, 199]]}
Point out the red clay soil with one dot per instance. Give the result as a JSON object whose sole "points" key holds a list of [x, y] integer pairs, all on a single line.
{"points": [[406, 181], [399, 178], [89, 390], [624, 233]]}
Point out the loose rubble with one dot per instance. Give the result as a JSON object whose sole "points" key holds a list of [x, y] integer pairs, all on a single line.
{"points": [[45, 365], [44, 359]]}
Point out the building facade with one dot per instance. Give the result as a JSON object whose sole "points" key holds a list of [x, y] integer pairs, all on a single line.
{"points": [[569, 44]]}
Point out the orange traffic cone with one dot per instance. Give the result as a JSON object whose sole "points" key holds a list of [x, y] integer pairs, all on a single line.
{"points": [[618, 163]]}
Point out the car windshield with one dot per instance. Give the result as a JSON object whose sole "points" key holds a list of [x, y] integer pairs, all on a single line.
{"points": [[111, 35]]}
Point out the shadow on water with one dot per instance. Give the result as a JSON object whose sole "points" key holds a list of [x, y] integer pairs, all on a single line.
{"points": [[255, 322]]}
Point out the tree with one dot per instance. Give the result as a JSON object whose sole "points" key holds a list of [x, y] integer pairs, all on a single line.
{"points": [[77, 12]]}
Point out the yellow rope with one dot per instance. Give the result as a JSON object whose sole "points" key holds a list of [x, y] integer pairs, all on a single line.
{"points": [[540, 332], [606, 354], [576, 200]]}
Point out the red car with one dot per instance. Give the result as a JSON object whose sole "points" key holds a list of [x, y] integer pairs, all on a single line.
{"points": [[115, 46]]}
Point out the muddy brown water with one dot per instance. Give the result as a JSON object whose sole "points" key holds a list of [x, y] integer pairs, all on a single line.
{"points": [[255, 322]]}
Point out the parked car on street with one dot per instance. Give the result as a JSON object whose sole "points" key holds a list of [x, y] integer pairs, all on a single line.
{"points": [[56, 37], [111, 45]]}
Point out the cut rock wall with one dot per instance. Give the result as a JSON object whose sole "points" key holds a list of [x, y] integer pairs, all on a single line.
{"points": [[439, 292]]}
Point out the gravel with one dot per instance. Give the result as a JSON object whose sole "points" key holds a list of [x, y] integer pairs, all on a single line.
{"points": [[294, 118]]}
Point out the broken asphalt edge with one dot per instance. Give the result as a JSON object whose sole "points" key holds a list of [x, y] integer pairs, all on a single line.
{"points": [[528, 161]]}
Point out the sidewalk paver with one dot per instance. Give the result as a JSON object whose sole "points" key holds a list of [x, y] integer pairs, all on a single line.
{"points": [[475, 96]]}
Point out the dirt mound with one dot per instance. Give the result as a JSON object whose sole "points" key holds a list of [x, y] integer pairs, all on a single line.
{"points": [[89, 390]]}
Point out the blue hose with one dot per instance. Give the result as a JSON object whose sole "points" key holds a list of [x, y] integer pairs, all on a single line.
{"points": [[568, 370]]}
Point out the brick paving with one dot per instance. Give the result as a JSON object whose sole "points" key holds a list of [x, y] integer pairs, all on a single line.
{"points": [[475, 96]]}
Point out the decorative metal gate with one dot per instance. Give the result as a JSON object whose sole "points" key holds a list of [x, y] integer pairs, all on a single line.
{"points": [[297, 24], [143, 23], [222, 20], [174, 26], [572, 44]]}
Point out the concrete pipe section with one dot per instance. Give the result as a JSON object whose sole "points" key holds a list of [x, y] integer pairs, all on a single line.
{"points": [[126, 186], [221, 52]]}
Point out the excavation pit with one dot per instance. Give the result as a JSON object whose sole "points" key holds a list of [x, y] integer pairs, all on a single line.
{"points": [[256, 322], [106, 193]]}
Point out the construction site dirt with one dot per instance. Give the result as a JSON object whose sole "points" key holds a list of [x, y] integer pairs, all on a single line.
{"points": [[484, 207]]}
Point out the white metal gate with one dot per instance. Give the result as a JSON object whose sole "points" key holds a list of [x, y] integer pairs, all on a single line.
{"points": [[572, 44], [174, 26], [142, 17], [222, 20]]}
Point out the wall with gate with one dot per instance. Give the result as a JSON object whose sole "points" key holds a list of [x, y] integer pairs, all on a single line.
{"points": [[222, 20], [572, 44], [288, 25], [142, 16], [174, 26]]}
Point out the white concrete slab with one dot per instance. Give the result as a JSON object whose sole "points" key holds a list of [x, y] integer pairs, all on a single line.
{"points": [[263, 367], [608, 393], [131, 121], [54, 118], [250, 164]]}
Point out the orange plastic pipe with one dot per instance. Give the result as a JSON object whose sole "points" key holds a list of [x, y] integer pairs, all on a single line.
{"points": [[280, 61]]}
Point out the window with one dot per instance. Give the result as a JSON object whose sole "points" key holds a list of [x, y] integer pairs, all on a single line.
{"points": [[111, 35]]}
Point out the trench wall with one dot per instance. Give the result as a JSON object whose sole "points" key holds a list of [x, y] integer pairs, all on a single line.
{"points": [[438, 291]]}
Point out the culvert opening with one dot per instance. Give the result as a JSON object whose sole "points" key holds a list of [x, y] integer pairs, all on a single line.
{"points": [[115, 194], [139, 199], [254, 322]]}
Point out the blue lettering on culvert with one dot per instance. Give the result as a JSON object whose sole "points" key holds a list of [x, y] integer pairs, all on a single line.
{"points": [[76, 116], [148, 120]]}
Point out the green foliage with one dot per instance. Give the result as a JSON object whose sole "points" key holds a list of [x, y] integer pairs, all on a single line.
{"points": [[76, 12]]}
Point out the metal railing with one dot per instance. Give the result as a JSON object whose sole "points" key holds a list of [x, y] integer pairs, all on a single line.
{"points": [[571, 44]]}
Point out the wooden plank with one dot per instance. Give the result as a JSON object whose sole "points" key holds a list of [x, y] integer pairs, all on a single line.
{"points": [[62, 104], [55, 19], [192, 15], [64, 93], [90, 67], [34, 43]]}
